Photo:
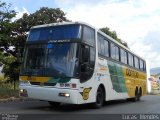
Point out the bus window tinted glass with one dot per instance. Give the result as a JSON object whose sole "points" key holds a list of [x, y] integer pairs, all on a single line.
{"points": [[141, 65], [106, 48], [88, 35], [123, 56], [55, 33], [113, 51], [136, 62], [103, 46], [117, 53], [130, 58]]}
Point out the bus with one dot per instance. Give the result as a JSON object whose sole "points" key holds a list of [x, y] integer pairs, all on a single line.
{"points": [[75, 63]]}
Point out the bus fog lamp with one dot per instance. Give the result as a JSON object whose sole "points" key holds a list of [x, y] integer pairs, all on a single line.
{"points": [[23, 93]]}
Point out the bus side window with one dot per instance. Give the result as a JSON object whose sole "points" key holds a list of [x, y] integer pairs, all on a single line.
{"points": [[122, 56], [130, 59], [144, 64], [141, 65], [117, 53], [113, 51], [88, 35], [136, 62], [106, 48]]}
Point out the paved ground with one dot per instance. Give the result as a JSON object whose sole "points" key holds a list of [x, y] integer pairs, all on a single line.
{"points": [[149, 104]]}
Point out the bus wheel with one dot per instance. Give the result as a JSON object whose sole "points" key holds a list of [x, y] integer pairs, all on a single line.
{"points": [[137, 97], [140, 93], [99, 98], [54, 104]]}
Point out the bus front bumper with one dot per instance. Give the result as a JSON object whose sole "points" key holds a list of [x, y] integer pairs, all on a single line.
{"points": [[50, 94]]}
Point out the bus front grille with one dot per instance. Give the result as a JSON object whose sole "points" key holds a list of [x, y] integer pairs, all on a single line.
{"points": [[43, 84]]}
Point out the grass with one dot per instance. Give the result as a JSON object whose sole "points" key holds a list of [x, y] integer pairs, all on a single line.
{"points": [[7, 93], [7, 90]]}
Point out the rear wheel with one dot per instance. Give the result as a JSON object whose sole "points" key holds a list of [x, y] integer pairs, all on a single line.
{"points": [[99, 98], [136, 98], [140, 93], [54, 104]]}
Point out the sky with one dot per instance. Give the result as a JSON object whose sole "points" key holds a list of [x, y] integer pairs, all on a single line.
{"points": [[136, 22]]}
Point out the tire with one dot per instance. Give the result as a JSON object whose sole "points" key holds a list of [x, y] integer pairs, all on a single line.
{"points": [[99, 98], [140, 93], [54, 104], [136, 98]]}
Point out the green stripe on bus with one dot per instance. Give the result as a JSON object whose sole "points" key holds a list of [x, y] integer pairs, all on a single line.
{"points": [[117, 78]]}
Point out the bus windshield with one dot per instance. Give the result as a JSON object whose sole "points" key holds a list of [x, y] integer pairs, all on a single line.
{"points": [[55, 33], [51, 60]]}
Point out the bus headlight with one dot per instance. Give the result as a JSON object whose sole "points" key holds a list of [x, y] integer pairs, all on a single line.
{"points": [[64, 94]]}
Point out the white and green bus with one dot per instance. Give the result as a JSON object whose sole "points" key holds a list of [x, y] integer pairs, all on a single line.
{"points": [[75, 63]]}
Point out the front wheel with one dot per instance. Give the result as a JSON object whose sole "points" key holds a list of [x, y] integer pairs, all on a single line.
{"points": [[99, 98]]}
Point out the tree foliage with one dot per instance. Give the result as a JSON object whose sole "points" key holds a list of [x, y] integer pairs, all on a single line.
{"points": [[113, 35], [6, 28], [13, 34], [7, 42]]}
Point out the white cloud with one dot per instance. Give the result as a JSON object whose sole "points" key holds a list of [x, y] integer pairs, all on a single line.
{"points": [[20, 12], [132, 20]]}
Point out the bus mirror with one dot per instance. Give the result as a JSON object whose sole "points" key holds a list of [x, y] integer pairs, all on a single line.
{"points": [[85, 55]]}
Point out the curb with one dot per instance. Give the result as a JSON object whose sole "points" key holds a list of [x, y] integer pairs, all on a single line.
{"points": [[13, 99]]}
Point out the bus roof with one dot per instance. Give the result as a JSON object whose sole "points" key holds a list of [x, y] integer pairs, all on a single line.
{"points": [[62, 23], [83, 23]]}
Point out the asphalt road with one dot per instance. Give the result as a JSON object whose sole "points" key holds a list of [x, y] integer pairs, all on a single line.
{"points": [[149, 104]]}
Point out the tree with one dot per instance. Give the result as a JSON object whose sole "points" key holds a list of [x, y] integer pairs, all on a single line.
{"points": [[6, 27], [13, 34], [113, 35], [7, 42]]}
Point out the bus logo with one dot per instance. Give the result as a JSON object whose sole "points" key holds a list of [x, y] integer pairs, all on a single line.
{"points": [[86, 93]]}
